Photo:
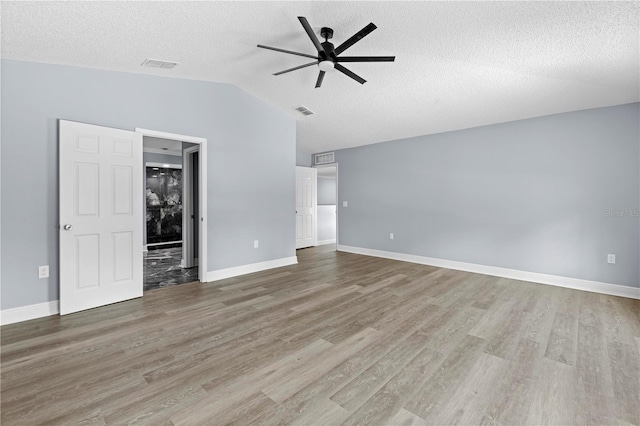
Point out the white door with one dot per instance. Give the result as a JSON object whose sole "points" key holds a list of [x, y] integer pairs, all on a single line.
{"points": [[306, 187], [100, 211]]}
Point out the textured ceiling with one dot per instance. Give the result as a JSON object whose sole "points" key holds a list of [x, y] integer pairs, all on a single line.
{"points": [[458, 64]]}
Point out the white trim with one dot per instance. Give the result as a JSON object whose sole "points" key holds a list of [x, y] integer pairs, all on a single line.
{"points": [[558, 281], [174, 136], [29, 312], [222, 274], [324, 242], [162, 165], [202, 189], [187, 210], [334, 164], [162, 151], [191, 150], [314, 239]]}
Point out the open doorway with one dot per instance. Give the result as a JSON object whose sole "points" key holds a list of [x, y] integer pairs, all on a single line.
{"points": [[327, 197], [174, 231]]}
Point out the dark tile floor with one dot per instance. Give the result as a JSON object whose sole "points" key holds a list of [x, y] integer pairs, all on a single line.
{"points": [[162, 269]]}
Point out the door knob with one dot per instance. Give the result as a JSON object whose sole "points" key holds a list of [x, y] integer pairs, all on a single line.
{"points": [[67, 227]]}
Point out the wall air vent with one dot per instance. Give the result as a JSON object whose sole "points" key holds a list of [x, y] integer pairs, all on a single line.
{"points": [[327, 157], [156, 63], [304, 110]]}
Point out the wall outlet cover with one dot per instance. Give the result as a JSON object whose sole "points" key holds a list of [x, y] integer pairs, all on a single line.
{"points": [[611, 258], [256, 243], [43, 271]]}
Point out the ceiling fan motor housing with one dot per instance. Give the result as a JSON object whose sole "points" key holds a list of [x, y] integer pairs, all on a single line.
{"points": [[327, 52], [326, 33]]}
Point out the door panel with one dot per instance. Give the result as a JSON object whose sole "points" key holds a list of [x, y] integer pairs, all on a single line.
{"points": [[87, 189], [88, 259], [306, 187], [123, 254], [100, 171], [122, 184]]}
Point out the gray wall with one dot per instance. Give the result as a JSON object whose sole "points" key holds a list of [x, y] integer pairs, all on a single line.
{"points": [[251, 159], [303, 158], [530, 195], [326, 190]]}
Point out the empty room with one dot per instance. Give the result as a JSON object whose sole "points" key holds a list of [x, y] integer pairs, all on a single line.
{"points": [[320, 213]]}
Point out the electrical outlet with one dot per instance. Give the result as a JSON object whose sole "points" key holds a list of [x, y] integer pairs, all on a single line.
{"points": [[43, 271], [611, 258], [391, 236], [345, 204], [256, 243]]}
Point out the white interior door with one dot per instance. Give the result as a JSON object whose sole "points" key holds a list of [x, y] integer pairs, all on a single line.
{"points": [[100, 211], [306, 203]]}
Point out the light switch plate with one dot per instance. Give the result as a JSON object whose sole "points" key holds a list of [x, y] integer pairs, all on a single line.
{"points": [[345, 204]]}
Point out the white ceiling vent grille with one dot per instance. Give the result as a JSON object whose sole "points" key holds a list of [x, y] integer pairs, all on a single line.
{"points": [[304, 110], [327, 157], [156, 63]]}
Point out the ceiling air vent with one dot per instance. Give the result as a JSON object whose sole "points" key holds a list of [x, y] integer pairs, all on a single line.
{"points": [[325, 158], [156, 63], [304, 110]]}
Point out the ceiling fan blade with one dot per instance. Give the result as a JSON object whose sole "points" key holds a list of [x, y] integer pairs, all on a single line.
{"points": [[297, 68], [348, 73], [288, 51], [310, 33], [320, 78], [355, 38], [365, 59]]}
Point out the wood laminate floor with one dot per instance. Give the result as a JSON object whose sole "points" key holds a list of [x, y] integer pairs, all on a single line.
{"points": [[337, 339]]}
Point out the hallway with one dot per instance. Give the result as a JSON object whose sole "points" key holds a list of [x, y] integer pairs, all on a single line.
{"points": [[162, 269]]}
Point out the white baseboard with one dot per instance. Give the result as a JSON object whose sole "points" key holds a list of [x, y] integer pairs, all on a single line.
{"points": [[222, 274], [25, 313], [323, 242], [574, 283]]}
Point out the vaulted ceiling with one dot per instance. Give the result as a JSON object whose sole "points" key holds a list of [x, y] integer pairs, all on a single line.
{"points": [[458, 64]]}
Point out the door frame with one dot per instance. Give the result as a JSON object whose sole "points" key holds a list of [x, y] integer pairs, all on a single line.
{"points": [[202, 192], [321, 166], [315, 207], [188, 258]]}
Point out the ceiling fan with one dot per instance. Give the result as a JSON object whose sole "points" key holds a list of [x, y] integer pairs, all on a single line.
{"points": [[328, 57]]}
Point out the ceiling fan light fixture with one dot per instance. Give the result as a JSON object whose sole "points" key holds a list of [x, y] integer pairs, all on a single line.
{"points": [[326, 65], [327, 57]]}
